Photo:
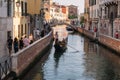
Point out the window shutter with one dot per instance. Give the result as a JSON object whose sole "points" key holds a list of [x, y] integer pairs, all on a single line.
{"points": [[25, 8], [22, 13]]}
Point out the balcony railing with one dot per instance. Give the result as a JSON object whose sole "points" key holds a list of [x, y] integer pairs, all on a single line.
{"points": [[107, 1]]}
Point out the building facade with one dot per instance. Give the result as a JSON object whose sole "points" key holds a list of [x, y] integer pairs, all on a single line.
{"points": [[73, 14], [21, 22], [4, 21], [86, 14], [46, 7], [94, 14], [35, 11], [59, 12], [72, 11], [109, 17], [13, 22]]}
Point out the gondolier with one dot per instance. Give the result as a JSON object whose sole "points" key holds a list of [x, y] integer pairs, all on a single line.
{"points": [[60, 46], [56, 35]]}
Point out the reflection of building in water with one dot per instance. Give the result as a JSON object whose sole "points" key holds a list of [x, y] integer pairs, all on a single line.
{"points": [[98, 67], [100, 63], [89, 47], [86, 45], [111, 56], [105, 65], [96, 64]]}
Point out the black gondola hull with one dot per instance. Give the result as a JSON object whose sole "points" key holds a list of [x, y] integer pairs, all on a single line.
{"points": [[58, 48]]}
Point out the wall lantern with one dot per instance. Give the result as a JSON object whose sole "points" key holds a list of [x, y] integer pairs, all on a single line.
{"points": [[18, 3]]}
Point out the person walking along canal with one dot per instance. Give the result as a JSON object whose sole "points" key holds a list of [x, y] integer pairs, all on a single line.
{"points": [[26, 41], [15, 45], [21, 44], [9, 44], [116, 35]]}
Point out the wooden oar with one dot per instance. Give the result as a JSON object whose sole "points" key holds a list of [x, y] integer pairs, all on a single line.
{"points": [[74, 48]]}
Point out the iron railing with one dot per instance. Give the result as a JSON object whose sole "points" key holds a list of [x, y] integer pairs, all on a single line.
{"points": [[5, 66]]}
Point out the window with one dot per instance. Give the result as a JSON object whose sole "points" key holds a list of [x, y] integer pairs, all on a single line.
{"points": [[94, 13], [101, 12], [29, 32], [25, 8], [8, 34], [22, 30], [9, 8], [0, 3], [105, 10], [22, 8], [25, 29], [19, 31]]}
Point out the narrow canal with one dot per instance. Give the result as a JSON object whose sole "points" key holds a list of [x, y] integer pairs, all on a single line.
{"points": [[83, 60]]}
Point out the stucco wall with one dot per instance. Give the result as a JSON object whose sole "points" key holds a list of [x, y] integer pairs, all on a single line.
{"points": [[3, 9], [4, 27], [20, 21]]}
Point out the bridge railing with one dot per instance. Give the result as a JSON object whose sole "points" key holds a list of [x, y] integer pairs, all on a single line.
{"points": [[5, 66]]}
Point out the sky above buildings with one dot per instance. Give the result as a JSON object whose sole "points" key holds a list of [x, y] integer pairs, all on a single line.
{"points": [[79, 3]]}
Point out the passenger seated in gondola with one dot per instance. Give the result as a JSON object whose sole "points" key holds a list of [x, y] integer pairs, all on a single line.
{"points": [[59, 46], [62, 43], [57, 43]]}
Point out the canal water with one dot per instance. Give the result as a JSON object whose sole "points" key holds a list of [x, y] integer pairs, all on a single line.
{"points": [[83, 60]]}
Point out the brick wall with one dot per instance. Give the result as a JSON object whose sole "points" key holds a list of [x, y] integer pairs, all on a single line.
{"points": [[110, 42], [103, 39], [88, 33], [23, 58], [80, 30]]}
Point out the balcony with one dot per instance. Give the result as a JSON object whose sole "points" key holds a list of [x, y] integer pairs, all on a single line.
{"points": [[108, 1]]}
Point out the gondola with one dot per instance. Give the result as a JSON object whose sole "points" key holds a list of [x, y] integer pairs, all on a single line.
{"points": [[70, 29], [60, 46]]}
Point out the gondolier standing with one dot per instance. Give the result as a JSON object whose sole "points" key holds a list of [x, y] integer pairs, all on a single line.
{"points": [[56, 36]]}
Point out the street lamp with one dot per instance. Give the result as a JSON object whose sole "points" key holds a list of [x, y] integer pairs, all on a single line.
{"points": [[18, 5]]}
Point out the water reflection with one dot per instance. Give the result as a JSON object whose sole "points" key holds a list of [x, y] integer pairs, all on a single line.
{"points": [[92, 62], [89, 46], [36, 73], [100, 63], [57, 56]]}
